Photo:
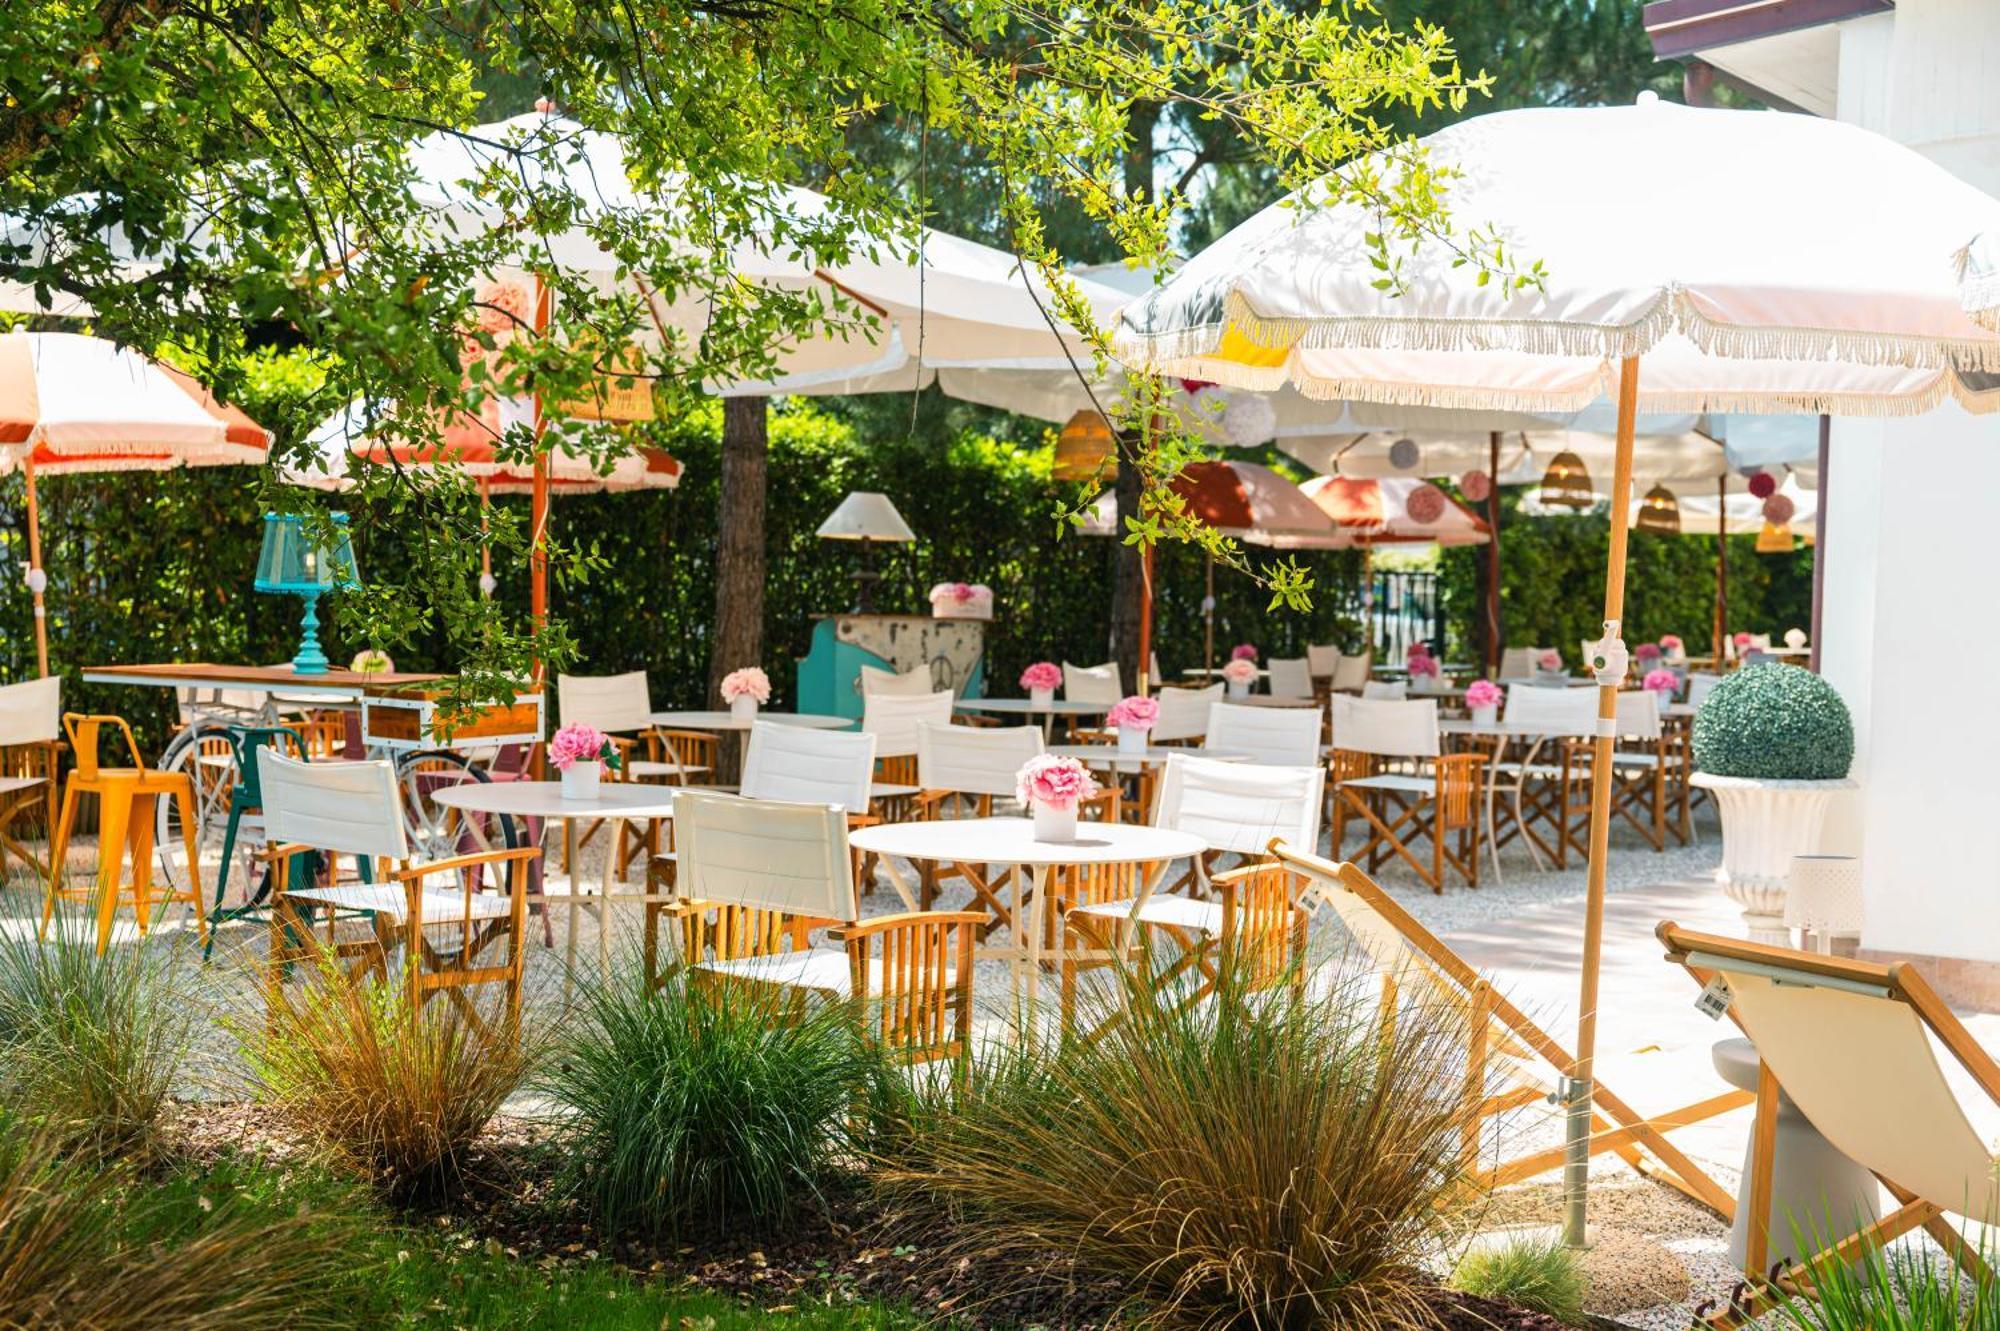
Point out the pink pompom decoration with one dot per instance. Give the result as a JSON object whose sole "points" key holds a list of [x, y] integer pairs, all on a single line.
{"points": [[1242, 670], [1059, 783], [1778, 510], [1551, 660], [1763, 485], [1476, 486], [1741, 640], [1134, 713], [1425, 504], [1671, 643], [1661, 681], [1042, 675], [1482, 693], [1243, 651], [749, 682], [577, 743]]}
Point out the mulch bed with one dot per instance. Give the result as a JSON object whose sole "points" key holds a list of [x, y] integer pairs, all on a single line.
{"points": [[848, 1250]]}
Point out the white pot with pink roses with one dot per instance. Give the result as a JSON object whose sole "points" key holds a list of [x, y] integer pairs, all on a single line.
{"points": [[745, 691], [581, 752], [1240, 675], [1041, 680], [1133, 719], [1482, 699], [1051, 788]]}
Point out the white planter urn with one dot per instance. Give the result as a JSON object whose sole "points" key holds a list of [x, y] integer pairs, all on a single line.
{"points": [[1765, 822], [743, 707], [1041, 698], [579, 780], [1487, 715], [1053, 822], [1132, 739]]}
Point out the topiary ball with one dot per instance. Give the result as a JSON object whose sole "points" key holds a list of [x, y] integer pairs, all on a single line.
{"points": [[1776, 723]]}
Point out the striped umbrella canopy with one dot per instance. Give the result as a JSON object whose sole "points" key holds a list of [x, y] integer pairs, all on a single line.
{"points": [[72, 404], [1395, 510]]}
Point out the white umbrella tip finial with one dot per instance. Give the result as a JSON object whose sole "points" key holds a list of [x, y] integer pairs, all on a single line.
{"points": [[1646, 98]]}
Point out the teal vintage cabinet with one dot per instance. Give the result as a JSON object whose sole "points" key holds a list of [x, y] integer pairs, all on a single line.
{"points": [[830, 673]]}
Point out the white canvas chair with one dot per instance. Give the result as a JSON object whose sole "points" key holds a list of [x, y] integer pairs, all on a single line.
{"points": [[1647, 762], [1436, 795], [1291, 677], [889, 684], [894, 721], [1853, 1045], [756, 874], [622, 707], [1274, 736], [1699, 687], [1511, 1062], [30, 736], [1386, 690], [1092, 684], [1519, 662], [1322, 661], [1352, 673], [1184, 713], [1548, 785], [355, 809]]}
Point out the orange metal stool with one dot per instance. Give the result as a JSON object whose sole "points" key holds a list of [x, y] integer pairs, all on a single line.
{"points": [[128, 799]]}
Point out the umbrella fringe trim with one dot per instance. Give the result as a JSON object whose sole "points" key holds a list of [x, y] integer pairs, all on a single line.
{"points": [[1461, 397]]}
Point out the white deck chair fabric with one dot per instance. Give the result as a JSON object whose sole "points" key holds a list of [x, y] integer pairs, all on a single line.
{"points": [[794, 765], [1184, 713], [889, 684], [1273, 736], [1386, 690], [766, 854], [1564, 712], [1322, 661], [615, 704], [1386, 728], [893, 721], [1699, 687], [31, 712], [1351, 673], [352, 808], [974, 760], [1518, 662], [1092, 684], [1291, 677], [1638, 713], [1240, 807]]}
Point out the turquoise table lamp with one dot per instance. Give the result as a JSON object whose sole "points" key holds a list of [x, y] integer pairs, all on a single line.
{"points": [[293, 564]]}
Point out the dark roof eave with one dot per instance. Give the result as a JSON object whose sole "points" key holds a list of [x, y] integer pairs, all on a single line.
{"points": [[1685, 27]]}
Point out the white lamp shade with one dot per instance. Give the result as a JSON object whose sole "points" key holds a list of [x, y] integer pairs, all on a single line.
{"points": [[866, 516], [1823, 895]]}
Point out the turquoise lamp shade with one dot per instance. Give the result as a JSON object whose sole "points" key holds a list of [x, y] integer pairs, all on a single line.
{"points": [[292, 563]]}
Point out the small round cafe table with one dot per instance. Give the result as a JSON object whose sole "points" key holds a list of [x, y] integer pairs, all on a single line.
{"points": [[1011, 841], [616, 801]]}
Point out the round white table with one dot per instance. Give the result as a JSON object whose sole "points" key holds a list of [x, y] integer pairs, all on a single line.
{"points": [[616, 801], [1126, 761], [1029, 707], [730, 721], [1011, 841]]}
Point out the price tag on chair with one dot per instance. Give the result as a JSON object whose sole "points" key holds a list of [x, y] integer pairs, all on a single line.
{"points": [[1714, 1000]]}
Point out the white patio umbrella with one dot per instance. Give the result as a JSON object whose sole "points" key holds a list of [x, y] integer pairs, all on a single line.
{"points": [[71, 404], [1825, 286]]}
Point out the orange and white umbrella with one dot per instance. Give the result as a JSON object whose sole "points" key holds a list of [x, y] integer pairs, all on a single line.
{"points": [[72, 404], [1394, 510]]}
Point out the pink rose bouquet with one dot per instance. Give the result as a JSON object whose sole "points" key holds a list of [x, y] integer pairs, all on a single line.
{"points": [[1646, 652], [1059, 783], [749, 682], [1242, 670], [1741, 640], [1482, 693], [1424, 666], [1134, 713], [1417, 649], [1243, 651], [1551, 660], [1661, 681], [1042, 675], [962, 600], [1671, 643], [580, 743]]}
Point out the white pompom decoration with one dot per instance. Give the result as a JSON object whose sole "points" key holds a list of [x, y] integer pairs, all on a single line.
{"points": [[488, 584], [1249, 419], [1404, 455], [37, 580]]}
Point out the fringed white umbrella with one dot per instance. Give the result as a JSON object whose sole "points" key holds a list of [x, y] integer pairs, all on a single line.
{"points": [[71, 404], [1824, 285]]}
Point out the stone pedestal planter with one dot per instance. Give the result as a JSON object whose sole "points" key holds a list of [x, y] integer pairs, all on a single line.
{"points": [[1764, 824]]}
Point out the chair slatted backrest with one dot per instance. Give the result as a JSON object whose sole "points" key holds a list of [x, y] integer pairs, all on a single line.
{"points": [[801, 766], [1241, 807], [1184, 713], [1092, 684], [1274, 736], [1291, 677], [974, 760], [1699, 687], [1386, 690], [31, 712], [764, 854], [1322, 661], [340, 808], [1386, 728], [1351, 674], [615, 704], [1567, 712], [1638, 712], [893, 721], [888, 684], [1850, 1044]]}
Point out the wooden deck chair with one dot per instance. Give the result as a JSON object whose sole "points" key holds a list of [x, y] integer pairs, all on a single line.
{"points": [[1401, 807], [1512, 1060], [1236, 808], [1850, 1043], [30, 749]]}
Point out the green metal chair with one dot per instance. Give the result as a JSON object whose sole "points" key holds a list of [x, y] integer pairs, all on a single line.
{"points": [[246, 799]]}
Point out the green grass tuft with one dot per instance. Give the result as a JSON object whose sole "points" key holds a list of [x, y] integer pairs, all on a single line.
{"points": [[1538, 1274]]}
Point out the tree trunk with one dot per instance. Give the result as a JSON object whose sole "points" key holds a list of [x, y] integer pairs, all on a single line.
{"points": [[1128, 582], [739, 555]]}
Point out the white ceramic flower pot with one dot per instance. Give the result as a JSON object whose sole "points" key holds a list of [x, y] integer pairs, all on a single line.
{"points": [[1236, 690], [579, 780], [743, 707], [1764, 824], [1053, 823], [1132, 739], [1487, 715], [1041, 697]]}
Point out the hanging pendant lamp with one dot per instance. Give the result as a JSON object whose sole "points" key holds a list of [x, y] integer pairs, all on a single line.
{"points": [[1776, 539], [1567, 482], [1086, 449], [1660, 512]]}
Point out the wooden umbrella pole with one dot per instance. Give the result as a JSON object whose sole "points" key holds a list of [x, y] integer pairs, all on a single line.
{"points": [[1145, 666], [1208, 623], [538, 513], [1494, 646], [1720, 631], [485, 550], [1576, 1169], [1819, 535], [35, 570]]}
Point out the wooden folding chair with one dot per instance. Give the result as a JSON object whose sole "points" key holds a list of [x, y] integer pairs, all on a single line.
{"points": [[1401, 809], [30, 754], [1850, 1043], [1512, 1061]]}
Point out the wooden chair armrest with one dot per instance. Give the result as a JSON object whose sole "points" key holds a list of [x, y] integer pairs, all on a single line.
{"points": [[519, 855], [845, 933]]}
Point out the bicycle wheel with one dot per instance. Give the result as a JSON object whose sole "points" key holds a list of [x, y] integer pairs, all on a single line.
{"points": [[203, 753]]}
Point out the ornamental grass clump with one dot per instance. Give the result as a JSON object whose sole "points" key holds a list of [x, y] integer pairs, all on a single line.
{"points": [[1274, 1160], [1539, 1274], [1906, 1287], [90, 1045], [1775, 723], [707, 1106], [387, 1094]]}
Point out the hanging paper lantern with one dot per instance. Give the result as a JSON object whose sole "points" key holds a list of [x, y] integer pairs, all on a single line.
{"points": [[1763, 484], [1425, 504], [1249, 419], [1775, 539], [1567, 482], [1404, 455], [1086, 449], [1778, 509], [1660, 512], [1476, 486]]}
